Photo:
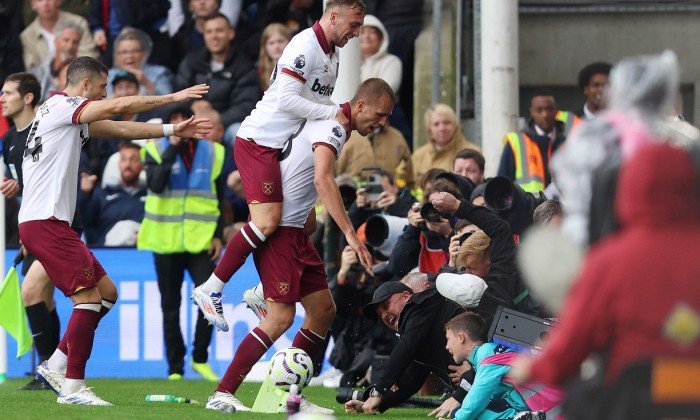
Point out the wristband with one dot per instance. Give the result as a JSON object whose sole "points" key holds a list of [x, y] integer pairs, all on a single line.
{"points": [[168, 130]]}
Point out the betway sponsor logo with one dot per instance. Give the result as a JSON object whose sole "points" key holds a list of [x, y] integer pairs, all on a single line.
{"points": [[325, 90]]}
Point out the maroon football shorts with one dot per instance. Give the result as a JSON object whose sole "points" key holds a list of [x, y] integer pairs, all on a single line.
{"points": [[259, 167], [68, 262], [289, 266]]}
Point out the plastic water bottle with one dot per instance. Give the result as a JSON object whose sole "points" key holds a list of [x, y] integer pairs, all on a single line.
{"points": [[293, 401], [169, 398]]}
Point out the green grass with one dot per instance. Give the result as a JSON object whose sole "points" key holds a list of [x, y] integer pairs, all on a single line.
{"points": [[128, 395]]}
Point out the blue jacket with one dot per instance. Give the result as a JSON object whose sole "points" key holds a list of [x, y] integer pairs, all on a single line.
{"points": [[488, 385], [104, 208]]}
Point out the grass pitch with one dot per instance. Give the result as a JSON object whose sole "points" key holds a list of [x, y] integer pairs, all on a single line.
{"points": [[128, 396]]}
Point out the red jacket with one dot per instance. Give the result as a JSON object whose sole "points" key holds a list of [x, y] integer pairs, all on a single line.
{"points": [[635, 281]]}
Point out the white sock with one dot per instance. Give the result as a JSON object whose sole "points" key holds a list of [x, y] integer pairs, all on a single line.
{"points": [[71, 385], [58, 361], [213, 285]]}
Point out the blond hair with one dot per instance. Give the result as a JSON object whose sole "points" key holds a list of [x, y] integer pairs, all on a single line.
{"points": [[477, 245], [441, 109], [265, 63]]}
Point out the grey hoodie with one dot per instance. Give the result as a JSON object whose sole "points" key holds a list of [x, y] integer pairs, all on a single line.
{"points": [[382, 64]]}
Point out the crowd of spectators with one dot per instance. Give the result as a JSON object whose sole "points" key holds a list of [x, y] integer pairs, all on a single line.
{"points": [[426, 214]]}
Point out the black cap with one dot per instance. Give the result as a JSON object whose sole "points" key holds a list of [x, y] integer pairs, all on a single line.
{"points": [[124, 75], [383, 293]]}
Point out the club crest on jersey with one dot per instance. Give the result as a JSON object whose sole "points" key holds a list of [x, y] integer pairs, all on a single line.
{"points": [[283, 288], [337, 132], [87, 273], [300, 61], [268, 187]]}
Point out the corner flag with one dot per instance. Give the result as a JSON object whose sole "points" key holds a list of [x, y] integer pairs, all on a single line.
{"points": [[13, 317]]}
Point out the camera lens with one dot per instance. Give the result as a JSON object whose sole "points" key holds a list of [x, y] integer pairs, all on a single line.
{"points": [[430, 213]]}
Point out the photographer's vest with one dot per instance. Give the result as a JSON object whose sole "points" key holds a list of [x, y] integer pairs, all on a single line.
{"points": [[529, 165], [183, 217]]}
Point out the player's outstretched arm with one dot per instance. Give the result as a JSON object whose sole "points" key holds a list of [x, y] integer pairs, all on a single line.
{"points": [[327, 188], [290, 100], [190, 128], [126, 105]]}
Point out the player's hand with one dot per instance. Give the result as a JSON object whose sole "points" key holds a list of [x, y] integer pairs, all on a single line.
{"points": [[445, 202], [456, 372], [342, 119], [453, 250], [194, 92], [361, 200], [445, 409], [414, 217], [361, 250], [353, 406], [9, 187], [370, 406], [100, 39], [215, 249], [386, 200], [87, 182], [191, 128]]}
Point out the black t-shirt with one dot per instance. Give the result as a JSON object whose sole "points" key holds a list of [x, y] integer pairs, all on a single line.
{"points": [[13, 153]]}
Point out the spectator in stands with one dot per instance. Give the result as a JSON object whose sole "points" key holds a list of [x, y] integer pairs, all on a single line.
{"points": [[230, 75], [385, 148], [11, 51], [131, 50], [66, 42], [113, 215], [274, 38], [593, 81], [38, 37], [376, 61], [419, 319], [106, 23], [526, 154], [470, 163], [393, 200], [445, 140], [190, 37], [489, 252], [174, 167], [549, 213]]}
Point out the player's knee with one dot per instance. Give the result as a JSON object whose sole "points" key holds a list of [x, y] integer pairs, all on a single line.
{"points": [[280, 318], [31, 294], [322, 310]]}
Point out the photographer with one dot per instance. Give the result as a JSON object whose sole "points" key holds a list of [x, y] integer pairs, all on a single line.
{"points": [[425, 240], [357, 339], [419, 319], [490, 252], [392, 200]]}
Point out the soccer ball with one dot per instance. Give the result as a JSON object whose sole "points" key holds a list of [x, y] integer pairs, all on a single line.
{"points": [[291, 366]]}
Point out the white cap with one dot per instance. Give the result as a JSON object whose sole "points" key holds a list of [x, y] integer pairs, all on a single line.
{"points": [[464, 289]]}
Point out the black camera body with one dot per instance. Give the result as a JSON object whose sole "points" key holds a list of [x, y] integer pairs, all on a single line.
{"points": [[346, 394], [431, 214]]}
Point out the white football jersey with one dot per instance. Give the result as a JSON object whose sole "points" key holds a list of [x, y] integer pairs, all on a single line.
{"points": [[297, 167], [51, 159], [304, 59]]}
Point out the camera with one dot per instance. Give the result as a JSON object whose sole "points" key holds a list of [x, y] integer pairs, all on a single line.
{"points": [[382, 232], [346, 394], [373, 187], [431, 214]]}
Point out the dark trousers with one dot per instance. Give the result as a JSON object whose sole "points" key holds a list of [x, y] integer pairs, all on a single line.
{"points": [[170, 269]]}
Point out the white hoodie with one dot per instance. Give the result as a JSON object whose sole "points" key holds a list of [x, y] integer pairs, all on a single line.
{"points": [[382, 64]]}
